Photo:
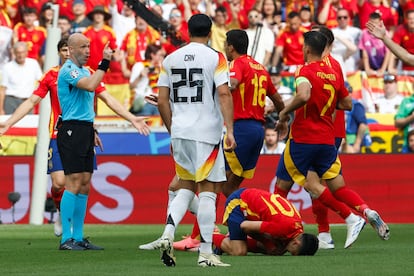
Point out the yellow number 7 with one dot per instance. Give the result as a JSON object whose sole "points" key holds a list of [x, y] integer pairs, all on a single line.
{"points": [[331, 90]]}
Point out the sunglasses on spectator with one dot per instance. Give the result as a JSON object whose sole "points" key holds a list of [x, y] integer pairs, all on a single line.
{"points": [[342, 17], [175, 15], [389, 78]]}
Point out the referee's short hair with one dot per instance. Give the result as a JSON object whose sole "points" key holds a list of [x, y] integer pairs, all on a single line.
{"points": [[199, 25]]}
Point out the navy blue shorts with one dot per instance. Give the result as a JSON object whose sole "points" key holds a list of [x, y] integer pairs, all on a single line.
{"points": [[297, 159], [249, 135], [233, 216]]}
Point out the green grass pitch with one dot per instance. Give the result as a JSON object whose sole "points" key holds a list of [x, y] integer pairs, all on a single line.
{"points": [[33, 250]]}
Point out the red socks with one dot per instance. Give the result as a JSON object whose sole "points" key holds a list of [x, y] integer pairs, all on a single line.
{"points": [[320, 212], [351, 198], [57, 197], [331, 202], [281, 192]]}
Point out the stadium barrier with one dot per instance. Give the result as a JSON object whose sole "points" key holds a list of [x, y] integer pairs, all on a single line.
{"points": [[133, 189]]}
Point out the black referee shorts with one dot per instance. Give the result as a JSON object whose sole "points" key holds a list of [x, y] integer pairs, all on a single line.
{"points": [[76, 141]]}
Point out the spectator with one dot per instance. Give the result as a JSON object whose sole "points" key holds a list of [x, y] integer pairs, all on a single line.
{"points": [[285, 92], [179, 36], [65, 8], [46, 15], [261, 39], [404, 36], [328, 11], [167, 6], [19, 79], [64, 25], [122, 22], [346, 41], [220, 28], [391, 100], [379, 31], [136, 41], [289, 44], [6, 34], [99, 34], [269, 11], [27, 31], [366, 7], [357, 131], [375, 55], [13, 11], [4, 16], [144, 78], [404, 119], [80, 21], [272, 144], [296, 5], [306, 17]]}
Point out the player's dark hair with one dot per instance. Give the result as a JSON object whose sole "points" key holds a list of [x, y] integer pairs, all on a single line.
{"points": [[62, 43], [326, 32], [310, 244], [316, 41], [239, 40], [199, 25]]}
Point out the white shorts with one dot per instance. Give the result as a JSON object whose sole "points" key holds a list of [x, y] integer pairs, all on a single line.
{"points": [[198, 161]]}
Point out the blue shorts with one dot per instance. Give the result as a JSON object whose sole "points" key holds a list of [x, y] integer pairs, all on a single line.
{"points": [[249, 135], [297, 159], [53, 158], [235, 216]]}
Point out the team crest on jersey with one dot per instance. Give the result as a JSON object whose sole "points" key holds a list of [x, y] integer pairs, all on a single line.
{"points": [[74, 74]]}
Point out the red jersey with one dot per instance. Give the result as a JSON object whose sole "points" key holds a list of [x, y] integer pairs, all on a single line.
{"points": [[65, 8], [135, 43], [406, 39], [349, 5], [5, 19], [35, 39], [386, 14], [313, 122], [280, 218], [339, 122], [98, 39], [292, 44], [249, 97], [48, 83]]}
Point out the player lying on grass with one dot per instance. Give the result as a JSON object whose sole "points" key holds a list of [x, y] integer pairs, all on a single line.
{"points": [[262, 222]]}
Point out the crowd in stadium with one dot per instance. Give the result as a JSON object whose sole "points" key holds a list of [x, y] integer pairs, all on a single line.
{"points": [[143, 35]]}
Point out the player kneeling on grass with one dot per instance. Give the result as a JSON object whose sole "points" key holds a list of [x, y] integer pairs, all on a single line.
{"points": [[262, 222]]}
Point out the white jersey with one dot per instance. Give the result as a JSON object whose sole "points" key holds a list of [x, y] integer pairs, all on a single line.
{"points": [[192, 73]]}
